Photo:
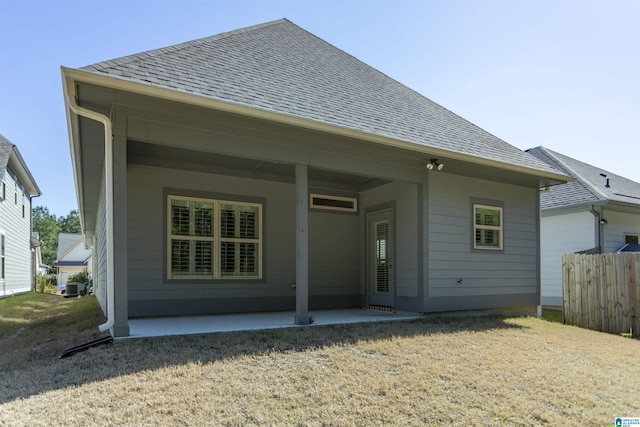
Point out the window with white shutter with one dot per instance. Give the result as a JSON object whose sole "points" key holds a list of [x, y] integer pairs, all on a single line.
{"points": [[214, 239], [240, 240], [488, 227]]}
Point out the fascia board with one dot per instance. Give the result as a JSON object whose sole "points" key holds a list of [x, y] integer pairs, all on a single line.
{"points": [[68, 90], [201, 101], [581, 207], [631, 208], [19, 166]]}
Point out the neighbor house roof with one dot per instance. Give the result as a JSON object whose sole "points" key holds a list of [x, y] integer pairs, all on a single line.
{"points": [[10, 156], [281, 68], [66, 241], [592, 185]]}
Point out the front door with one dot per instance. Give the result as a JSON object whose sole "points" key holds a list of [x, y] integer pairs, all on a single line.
{"points": [[380, 250]]}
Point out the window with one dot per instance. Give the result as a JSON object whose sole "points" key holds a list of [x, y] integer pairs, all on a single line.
{"points": [[3, 187], [333, 203], [214, 239], [488, 227], [631, 239], [1, 256], [22, 205]]}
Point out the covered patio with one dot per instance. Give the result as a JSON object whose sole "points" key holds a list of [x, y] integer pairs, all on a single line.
{"points": [[188, 325]]}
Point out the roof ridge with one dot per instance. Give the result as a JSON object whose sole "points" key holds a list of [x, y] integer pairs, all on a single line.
{"points": [[577, 175], [176, 47]]}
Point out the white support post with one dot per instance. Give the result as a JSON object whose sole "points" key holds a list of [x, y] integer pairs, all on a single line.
{"points": [[302, 246]]}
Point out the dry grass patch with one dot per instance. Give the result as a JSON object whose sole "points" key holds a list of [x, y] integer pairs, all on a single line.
{"points": [[473, 370]]}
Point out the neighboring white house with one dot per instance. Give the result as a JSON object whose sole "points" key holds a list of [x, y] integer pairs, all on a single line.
{"points": [[17, 188], [599, 213], [73, 257]]}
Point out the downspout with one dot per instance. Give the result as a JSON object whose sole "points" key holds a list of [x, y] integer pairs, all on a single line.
{"points": [[108, 166], [34, 268], [598, 228]]}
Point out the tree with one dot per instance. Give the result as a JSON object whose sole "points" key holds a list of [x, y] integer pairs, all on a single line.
{"points": [[70, 223], [47, 227]]}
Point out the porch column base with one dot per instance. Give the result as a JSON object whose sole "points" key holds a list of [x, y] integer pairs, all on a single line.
{"points": [[120, 331], [304, 320]]}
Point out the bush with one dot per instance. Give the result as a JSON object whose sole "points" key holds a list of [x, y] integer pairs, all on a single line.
{"points": [[81, 277], [43, 285]]}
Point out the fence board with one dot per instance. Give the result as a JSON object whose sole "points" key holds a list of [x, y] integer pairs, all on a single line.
{"points": [[589, 305], [600, 312], [602, 292]]}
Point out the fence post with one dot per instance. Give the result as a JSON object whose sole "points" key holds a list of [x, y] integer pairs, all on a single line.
{"points": [[635, 285], [566, 289]]}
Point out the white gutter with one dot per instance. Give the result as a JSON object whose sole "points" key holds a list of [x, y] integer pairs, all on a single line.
{"points": [[108, 172]]}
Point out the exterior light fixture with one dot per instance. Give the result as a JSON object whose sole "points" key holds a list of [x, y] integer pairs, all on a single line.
{"points": [[604, 222], [433, 163]]}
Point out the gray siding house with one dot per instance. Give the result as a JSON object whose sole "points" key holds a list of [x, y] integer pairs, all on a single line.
{"points": [[17, 187], [599, 212], [264, 169]]}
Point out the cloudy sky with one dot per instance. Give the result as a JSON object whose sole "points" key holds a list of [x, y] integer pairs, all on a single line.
{"points": [[564, 74]]}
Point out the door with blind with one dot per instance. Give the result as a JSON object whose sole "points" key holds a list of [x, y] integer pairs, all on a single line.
{"points": [[380, 258]]}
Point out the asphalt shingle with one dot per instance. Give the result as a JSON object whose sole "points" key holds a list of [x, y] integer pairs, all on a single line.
{"points": [[590, 186], [5, 152], [282, 68]]}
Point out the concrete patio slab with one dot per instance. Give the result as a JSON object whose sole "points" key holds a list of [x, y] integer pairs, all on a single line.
{"points": [[186, 325]]}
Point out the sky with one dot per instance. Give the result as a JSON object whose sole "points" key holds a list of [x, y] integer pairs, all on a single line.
{"points": [[563, 74]]}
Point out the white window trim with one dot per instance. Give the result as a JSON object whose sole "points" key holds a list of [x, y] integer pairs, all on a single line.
{"points": [[217, 239], [499, 228], [636, 235]]}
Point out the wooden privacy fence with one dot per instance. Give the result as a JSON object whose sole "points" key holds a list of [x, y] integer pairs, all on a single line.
{"points": [[602, 292]]}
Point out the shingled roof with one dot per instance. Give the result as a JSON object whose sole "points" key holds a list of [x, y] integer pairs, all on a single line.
{"points": [[281, 68], [5, 152], [7, 148], [590, 185]]}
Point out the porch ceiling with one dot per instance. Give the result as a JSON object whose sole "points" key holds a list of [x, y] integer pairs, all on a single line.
{"points": [[177, 158]]}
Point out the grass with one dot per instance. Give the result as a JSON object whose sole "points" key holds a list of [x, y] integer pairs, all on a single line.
{"points": [[36, 326], [488, 370], [553, 315]]}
